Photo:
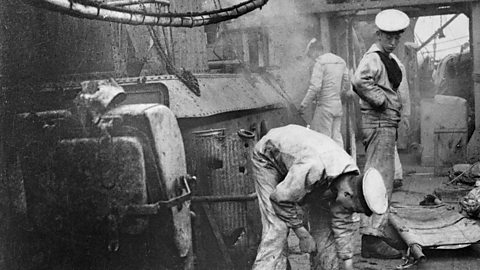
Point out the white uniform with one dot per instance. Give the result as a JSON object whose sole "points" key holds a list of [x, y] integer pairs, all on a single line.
{"points": [[329, 79], [291, 166]]}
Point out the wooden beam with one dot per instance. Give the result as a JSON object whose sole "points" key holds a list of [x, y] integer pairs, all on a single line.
{"points": [[473, 147], [315, 6], [245, 48], [325, 32], [412, 12], [475, 40]]}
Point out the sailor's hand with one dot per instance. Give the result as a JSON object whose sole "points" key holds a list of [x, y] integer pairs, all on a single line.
{"points": [[302, 108], [348, 264], [307, 243], [348, 95], [405, 122]]}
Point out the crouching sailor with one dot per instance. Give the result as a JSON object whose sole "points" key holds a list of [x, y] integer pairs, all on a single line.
{"points": [[299, 171]]}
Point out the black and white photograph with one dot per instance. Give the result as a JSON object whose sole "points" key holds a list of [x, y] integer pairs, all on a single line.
{"points": [[239, 134]]}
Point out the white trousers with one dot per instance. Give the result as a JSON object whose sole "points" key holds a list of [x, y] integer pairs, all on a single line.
{"points": [[273, 249], [327, 123], [398, 174]]}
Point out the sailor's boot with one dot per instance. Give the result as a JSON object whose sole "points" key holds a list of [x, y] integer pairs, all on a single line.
{"points": [[397, 184], [375, 247]]}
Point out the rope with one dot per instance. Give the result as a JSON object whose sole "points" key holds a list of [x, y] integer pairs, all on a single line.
{"points": [[132, 14], [185, 76], [466, 171]]}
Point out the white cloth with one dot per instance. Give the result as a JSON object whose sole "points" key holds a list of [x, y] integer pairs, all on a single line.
{"points": [[288, 163], [328, 124], [379, 102], [329, 79]]}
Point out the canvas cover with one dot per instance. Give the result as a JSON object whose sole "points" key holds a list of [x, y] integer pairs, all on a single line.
{"points": [[77, 187], [78, 179], [439, 226], [160, 127]]}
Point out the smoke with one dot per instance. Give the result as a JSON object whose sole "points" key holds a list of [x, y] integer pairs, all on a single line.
{"points": [[289, 31]]}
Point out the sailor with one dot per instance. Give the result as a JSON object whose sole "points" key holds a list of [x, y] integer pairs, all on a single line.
{"points": [[329, 81], [294, 168], [376, 81]]}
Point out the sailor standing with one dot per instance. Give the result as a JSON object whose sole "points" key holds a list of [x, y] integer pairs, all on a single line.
{"points": [[376, 81]]}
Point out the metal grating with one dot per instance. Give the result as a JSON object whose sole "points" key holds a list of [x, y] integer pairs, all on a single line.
{"points": [[222, 165]]}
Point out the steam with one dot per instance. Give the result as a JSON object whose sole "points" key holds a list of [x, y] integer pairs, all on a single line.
{"points": [[289, 32]]}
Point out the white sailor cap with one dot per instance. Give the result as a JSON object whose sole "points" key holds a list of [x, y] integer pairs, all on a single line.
{"points": [[374, 191], [392, 20]]}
